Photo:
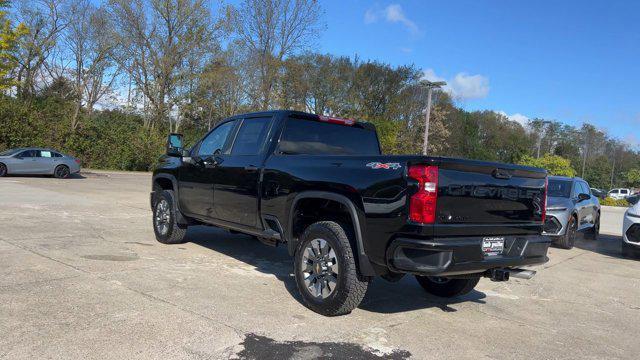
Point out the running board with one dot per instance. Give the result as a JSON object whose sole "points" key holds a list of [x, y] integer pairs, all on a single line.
{"points": [[270, 237]]}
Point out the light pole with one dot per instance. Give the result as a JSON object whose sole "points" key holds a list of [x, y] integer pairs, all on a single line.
{"points": [[430, 86]]}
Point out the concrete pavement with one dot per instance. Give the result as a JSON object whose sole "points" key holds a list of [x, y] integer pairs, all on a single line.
{"points": [[81, 276]]}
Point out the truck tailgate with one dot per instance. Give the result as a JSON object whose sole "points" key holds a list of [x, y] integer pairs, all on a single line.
{"points": [[477, 198]]}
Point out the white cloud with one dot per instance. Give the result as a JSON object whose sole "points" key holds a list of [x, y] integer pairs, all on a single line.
{"points": [[517, 117], [393, 14], [370, 16], [463, 86], [406, 50]]}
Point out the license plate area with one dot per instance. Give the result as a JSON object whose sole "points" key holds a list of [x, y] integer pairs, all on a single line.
{"points": [[493, 246]]}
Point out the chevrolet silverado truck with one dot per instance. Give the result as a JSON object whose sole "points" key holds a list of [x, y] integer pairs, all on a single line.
{"points": [[346, 213]]}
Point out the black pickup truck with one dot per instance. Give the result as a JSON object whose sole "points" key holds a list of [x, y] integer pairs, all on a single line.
{"points": [[346, 212]]}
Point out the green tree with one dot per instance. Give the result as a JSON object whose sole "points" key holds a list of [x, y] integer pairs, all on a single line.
{"points": [[8, 40], [632, 178], [554, 164]]}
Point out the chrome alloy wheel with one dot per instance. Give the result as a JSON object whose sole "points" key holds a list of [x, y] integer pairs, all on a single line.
{"points": [[320, 268], [163, 216]]}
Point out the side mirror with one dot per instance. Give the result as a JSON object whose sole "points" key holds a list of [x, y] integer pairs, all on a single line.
{"points": [[583, 197], [174, 145]]}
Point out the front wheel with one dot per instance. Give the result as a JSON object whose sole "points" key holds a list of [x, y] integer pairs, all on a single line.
{"points": [[446, 287], [567, 240], [325, 270], [3, 170], [165, 224]]}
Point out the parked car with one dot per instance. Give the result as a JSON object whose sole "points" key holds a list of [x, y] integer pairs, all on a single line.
{"points": [[571, 208], [619, 194], [346, 213], [37, 161], [633, 199], [600, 194], [631, 232]]}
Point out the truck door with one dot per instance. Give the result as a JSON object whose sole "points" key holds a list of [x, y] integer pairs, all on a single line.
{"points": [[236, 185], [196, 178]]}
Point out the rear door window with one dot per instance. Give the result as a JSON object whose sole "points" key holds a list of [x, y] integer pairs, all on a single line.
{"points": [[251, 136], [45, 154], [319, 138]]}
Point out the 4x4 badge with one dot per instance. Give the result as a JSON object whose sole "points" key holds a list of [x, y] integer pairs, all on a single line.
{"points": [[377, 165]]}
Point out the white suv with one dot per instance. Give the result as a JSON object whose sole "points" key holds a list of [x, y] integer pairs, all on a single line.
{"points": [[631, 231], [619, 194]]}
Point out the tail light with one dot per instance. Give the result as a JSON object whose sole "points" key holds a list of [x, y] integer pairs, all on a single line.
{"points": [[422, 206], [77, 161], [544, 200]]}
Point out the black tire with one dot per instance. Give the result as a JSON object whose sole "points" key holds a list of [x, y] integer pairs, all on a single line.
{"points": [[61, 172], [3, 170], [348, 289], [445, 287], [629, 251], [567, 240], [594, 232], [165, 224]]}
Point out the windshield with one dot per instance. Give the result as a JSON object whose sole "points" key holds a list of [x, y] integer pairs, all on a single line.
{"points": [[559, 188], [9, 152]]}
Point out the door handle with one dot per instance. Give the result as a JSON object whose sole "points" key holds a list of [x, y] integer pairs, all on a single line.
{"points": [[210, 163], [251, 168]]}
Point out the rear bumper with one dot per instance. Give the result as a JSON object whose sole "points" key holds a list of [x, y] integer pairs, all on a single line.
{"points": [[459, 256]]}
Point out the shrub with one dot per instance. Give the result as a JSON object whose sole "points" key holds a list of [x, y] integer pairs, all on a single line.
{"points": [[613, 202]]}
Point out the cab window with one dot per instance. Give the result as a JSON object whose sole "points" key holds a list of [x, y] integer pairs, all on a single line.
{"points": [[215, 142]]}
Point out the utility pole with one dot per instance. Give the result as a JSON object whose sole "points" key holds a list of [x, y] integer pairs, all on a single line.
{"points": [[584, 158], [430, 86]]}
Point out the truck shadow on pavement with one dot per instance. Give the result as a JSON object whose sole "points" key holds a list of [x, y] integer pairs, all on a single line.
{"points": [[382, 296]]}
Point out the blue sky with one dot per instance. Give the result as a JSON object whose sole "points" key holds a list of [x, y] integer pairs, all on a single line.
{"points": [[573, 61]]}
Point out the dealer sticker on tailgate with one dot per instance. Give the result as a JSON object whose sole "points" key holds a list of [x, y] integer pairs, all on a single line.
{"points": [[492, 246]]}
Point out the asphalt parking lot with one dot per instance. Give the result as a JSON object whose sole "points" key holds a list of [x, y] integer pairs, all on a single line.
{"points": [[81, 276]]}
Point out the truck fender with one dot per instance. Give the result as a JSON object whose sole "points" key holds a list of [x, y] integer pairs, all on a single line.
{"points": [[364, 265], [176, 202]]}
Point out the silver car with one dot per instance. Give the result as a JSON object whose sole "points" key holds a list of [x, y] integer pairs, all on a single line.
{"points": [[571, 208], [34, 161]]}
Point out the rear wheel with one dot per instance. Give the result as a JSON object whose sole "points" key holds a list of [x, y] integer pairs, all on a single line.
{"points": [[446, 287], [569, 238], [594, 232], [61, 172], [325, 270], [165, 224], [3, 170]]}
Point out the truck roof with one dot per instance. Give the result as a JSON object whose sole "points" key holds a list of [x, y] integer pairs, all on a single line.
{"points": [[309, 116]]}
